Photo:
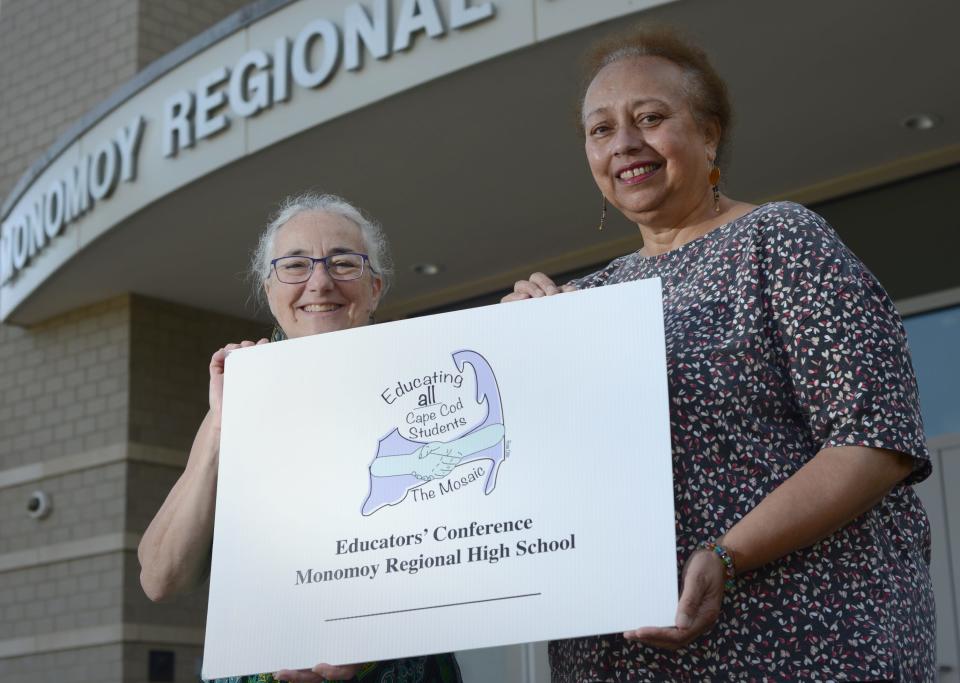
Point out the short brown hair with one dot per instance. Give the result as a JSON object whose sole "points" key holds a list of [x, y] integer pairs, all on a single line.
{"points": [[705, 89]]}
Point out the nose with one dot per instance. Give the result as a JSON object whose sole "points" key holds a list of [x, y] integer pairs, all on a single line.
{"points": [[320, 279], [627, 140]]}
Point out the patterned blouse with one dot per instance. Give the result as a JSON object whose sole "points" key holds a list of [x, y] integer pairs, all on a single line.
{"points": [[430, 669], [781, 343]]}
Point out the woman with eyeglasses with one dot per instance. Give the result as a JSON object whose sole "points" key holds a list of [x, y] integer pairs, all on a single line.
{"points": [[322, 266]]}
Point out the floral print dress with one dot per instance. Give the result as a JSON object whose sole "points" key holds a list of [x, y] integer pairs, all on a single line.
{"points": [[781, 343]]}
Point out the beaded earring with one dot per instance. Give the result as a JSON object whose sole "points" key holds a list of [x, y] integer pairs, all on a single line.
{"points": [[715, 182]]}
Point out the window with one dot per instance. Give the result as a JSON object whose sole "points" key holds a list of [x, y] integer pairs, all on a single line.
{"points": [[934, 340]]}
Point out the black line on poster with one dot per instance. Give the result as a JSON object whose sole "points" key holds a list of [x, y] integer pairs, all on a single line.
{"points": [[418, 609]]}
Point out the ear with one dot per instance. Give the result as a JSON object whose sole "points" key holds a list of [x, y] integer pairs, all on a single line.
{"points": [[266, 290], [711, 139], [377, 285]]}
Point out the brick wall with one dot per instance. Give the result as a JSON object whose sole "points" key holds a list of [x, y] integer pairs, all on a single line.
{"points": [[58, 58], [98, 406], [99, 409], [64, 398], [85, 503], [165, 25], [64, 384], [171, 347], [80, 665], [62, 596]]}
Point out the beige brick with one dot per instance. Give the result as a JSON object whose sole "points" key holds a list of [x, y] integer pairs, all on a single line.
{"points": [[126, 369]]}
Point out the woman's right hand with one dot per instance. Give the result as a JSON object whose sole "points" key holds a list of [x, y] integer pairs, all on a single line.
{"points": [[538, 285], [217, 361]]}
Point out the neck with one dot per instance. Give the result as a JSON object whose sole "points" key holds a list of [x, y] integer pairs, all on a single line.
{"points": [[659, 238]]}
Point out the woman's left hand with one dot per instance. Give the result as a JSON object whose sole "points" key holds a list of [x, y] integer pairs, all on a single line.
{"points": [[699, 606], [537, 286], [319, 673]]}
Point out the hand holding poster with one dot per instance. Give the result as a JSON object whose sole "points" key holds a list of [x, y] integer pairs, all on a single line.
{"points": [[472, 479]]}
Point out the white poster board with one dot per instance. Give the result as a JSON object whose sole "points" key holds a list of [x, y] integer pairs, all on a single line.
{"points": [[471, 479]]}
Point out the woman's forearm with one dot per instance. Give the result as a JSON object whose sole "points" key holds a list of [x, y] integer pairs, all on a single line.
{"points": [[835, 487], [175, 548]]}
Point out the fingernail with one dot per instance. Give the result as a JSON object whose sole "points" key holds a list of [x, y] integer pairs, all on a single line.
{"points": [[683, 620]]}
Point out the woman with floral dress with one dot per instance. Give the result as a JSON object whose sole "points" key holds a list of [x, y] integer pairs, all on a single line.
{"points": [[803, 551]]}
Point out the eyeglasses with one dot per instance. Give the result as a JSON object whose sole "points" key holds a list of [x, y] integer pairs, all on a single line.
{"points": [[292, 270]]}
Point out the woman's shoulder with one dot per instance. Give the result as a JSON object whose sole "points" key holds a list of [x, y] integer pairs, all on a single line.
{"points": [[790, 232], [799, 251], [777, 219]]}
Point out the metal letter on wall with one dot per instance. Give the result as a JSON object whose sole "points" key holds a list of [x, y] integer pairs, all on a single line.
{"points": [[249, 90], [463, 15], [374, 34], [300, 56], [415, 16], [209, 99], [177, 122]]}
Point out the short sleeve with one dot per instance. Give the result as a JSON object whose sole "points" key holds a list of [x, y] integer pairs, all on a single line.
{"points": [[841, 341]]}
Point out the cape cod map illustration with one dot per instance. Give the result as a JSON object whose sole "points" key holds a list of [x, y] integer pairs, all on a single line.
{"points": [[409, 457]]}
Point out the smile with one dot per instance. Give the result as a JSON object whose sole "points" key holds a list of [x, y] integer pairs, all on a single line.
{"points": [[320, 308], [640, 171]]}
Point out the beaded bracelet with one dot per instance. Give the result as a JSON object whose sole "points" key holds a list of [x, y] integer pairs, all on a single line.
{"points": [[726, 558]]}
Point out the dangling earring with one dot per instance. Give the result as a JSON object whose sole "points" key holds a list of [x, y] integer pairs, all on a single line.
{"points": [[715, 182], [278, 334], [603, 211]]}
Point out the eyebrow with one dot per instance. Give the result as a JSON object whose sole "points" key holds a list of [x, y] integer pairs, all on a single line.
{"points": [[635, 103], [335, 250]]}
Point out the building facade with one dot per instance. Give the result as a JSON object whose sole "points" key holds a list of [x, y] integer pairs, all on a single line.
{"points": [[143, 144]]}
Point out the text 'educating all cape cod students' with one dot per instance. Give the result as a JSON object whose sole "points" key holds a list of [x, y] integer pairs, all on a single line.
{"points": [[442, 416]]}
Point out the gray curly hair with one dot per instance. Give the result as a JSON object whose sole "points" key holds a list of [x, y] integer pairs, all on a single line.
{"points": [[374, 239]]}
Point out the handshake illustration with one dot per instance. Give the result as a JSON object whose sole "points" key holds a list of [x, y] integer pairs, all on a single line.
{"points": [[435, 460]]}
